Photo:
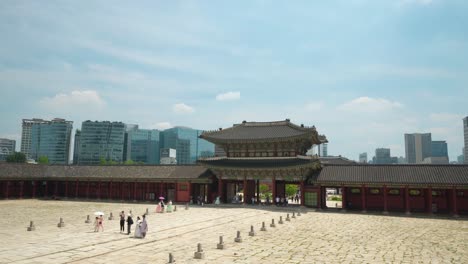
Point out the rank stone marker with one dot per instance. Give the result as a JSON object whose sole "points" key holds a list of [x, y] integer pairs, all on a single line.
{"points": [[252, 232], [294, 215], [31, 226], [281, 220], [61, 223], [238, 238], [272, 223], [263, 227], [199, 254], [287, 218], [87, 220], [221, 244], [171, 258], [111, 217]]}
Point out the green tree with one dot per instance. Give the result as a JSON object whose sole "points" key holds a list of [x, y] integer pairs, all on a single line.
{"points": [[16, 157], [43, 160], [129, 162], [112, 162], [291, 189], [102, 161]]}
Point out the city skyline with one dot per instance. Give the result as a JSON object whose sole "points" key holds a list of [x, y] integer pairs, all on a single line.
{"points": [[363, 84]]}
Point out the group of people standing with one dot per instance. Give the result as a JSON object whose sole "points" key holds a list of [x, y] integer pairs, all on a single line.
{"points": [[141, 227], [162, 207]]}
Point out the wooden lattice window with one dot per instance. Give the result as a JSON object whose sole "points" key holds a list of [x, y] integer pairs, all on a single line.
{"points": [[394, 192], [355, 190], [374, 191], [414, 192]]}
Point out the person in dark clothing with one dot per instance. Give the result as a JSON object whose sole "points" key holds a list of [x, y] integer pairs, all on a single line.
{"points": [[129, 224], [122, 222]]}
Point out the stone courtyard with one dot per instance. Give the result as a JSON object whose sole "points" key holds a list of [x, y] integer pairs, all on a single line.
{"points": [[313, 237]]}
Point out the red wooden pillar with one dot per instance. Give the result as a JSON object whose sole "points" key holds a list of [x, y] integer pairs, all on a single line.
{"points": [[66, 189], [21, 190], [429, 200], [454, 202], [87, 190], [319, 198], [55, 188], [77, 184], [257, 182], [46, 192], [34, 187], [244, 186], [385, 200], [274, 189], [147, 191], [99, 190], [302, 193], [190, 191], [344, 202], [109, 196], [7, 189], [220, 189], [134, 191], [122, 191], [176, 190], [407, 203], [363, 198], [160, 189]]}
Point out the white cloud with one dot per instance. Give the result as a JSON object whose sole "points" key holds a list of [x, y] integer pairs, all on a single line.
{"points": [[182, 108], [369, 104], [161, 125], [73, 100], [229, 96]]}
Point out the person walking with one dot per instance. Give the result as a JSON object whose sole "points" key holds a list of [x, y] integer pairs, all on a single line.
{"points": [[129, 224], [96, 224], [122, 222], [100, 223], [143, 227]]}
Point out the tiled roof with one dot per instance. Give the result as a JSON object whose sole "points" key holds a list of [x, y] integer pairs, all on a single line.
{"points": [[264, 162], [336, 160], [260, 131], [392, 174], [182, 172]]}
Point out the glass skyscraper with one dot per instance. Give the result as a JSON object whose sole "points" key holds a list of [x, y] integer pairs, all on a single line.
{"points": [[7, 147], [101, 140], [439, 149], [187, 144], [143, 145], [52, 140], [418, 147]]}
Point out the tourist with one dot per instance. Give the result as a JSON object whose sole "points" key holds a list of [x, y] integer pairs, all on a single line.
{"points": [[144, 226], [268, 200], [285, 201], [100, 223], [122, 222], [277, 200], [138, 228], [158, 208], [96, 224], [162, 206], [169, 207], [129, 224], [217, 202]]}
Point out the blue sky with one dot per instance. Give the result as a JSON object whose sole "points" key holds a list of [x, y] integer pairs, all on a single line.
{"points": [[363, 72]]}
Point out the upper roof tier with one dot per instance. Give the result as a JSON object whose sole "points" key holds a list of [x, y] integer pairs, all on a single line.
{"points": [[263, 131]]}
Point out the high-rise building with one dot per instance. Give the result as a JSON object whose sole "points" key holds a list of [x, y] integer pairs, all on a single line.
{"points": [[52, 140], [76, 146], [26, 135], [465, 130], [363, 157], [168, 156], [143, 145], [7, 147], [189, 147], [439, 149], [382, 156], [101, 140], [323, 148], [418, 147]]}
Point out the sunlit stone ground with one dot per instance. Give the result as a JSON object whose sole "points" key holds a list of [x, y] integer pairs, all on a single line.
{"points": [[314, 237]]}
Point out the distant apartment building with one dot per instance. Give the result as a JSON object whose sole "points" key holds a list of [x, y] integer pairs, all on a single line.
{"points": [[465, 131], [101, 140], [363, 157], [26, 135], [418, 147], [323, 150], [382, 156], [142, 145], [7, 147], [189, 147], [51, 139]]}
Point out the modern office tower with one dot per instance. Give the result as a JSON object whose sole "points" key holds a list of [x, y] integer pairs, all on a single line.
{"points": [[52, 140], [143, 145], [7, 147], [382, 156], [363, 157], [323, 150], [101, 140], [76, 146], [418, 147], [465, 131], [187, 144], [26, 135], [439, 149]]}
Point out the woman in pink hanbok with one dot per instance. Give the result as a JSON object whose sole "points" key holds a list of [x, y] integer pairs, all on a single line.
{"points": [[159, 208]]}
